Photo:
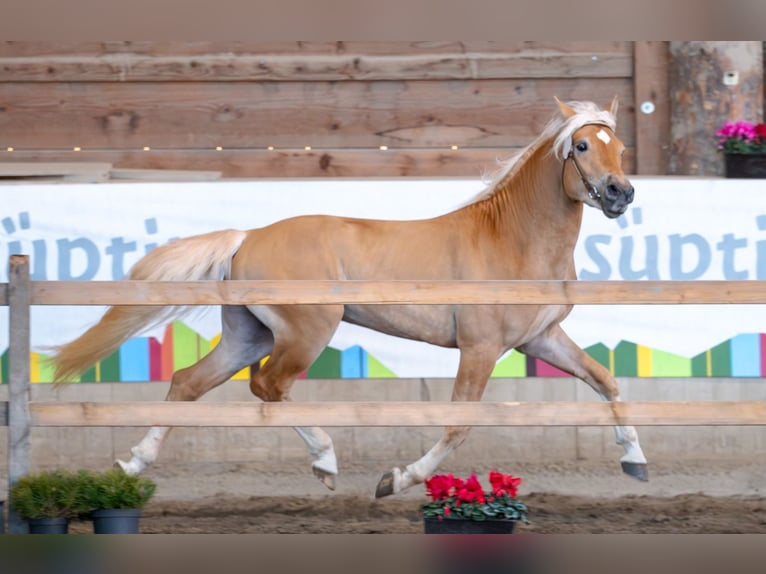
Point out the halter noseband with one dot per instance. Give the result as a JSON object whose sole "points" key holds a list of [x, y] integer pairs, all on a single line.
{"points": [[593, 193]]}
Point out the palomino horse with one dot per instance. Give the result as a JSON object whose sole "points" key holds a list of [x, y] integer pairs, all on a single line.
{"points": [[523, 226]]}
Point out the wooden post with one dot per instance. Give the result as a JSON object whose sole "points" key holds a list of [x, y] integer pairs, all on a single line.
{"points": [[18, 379], [710, 83], [650, 80]]}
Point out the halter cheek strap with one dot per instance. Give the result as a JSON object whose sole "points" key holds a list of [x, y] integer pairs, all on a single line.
{"points": [[593, 193]]}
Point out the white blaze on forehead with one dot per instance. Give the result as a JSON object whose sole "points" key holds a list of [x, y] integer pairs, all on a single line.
{"points": [[603, 136]]}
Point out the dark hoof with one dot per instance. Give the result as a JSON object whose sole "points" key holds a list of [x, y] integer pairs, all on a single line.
{"points": [[385, 486], [637, 470]]}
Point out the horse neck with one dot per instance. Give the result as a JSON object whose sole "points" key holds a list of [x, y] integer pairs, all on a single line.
{"points": [[530, 207]]}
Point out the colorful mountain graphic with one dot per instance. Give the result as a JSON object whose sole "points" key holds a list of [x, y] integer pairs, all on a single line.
{"points": [[147, 359]]}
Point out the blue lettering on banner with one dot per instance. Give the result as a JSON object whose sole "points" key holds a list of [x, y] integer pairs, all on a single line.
{"points": [[698, 243], [78, 258], [689, 256]]}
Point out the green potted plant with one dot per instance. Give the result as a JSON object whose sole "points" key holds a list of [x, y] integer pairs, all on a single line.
{"points": [[47, 500], [461, 506], [744, 147], [115, 500]]}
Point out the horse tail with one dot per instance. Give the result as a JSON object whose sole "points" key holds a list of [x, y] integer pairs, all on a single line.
{"points": [[194, 258]]}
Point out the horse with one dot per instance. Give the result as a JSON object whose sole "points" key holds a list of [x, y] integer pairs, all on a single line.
{"points": [[523, 225]]}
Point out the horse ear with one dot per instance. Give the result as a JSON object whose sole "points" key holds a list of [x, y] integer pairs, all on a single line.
{"points": [[565, 110], [613, 108]]}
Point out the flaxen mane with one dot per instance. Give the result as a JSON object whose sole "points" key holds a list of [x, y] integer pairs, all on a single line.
{"points": [[560, 131]]}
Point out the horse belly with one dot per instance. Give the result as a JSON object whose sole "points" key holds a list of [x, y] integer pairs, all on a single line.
{"points": [[522, 324], [433, 324]]}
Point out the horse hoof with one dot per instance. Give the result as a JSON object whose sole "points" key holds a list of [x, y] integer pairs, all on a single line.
{"points": [[385, 486], [132, 468], [326, 478], [637, 470]]}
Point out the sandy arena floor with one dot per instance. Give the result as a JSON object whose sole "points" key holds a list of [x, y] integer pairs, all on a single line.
{"points": [[578, 497]]}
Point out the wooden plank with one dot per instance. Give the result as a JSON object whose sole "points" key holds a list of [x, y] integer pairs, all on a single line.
{"points": [[86, 172], [37, 48], [292, 115], [163, 174], [397, 292], [653, 107], [18, 378], [324, 61], [389, 414], [299, 163]]}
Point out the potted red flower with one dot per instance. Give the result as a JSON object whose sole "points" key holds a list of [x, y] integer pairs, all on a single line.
{"points": [[462, 506]]}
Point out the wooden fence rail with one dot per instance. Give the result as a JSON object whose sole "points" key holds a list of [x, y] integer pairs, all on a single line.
{"points": [[393, 292], [396, 413], [21, 414]]}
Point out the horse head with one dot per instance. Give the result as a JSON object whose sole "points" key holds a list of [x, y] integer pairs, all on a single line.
{"points": [[592, 162]]}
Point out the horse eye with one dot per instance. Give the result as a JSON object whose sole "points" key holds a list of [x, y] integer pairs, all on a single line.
{"points": [[582, 146]]}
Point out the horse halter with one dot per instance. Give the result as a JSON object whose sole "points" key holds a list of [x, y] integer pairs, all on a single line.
{"points": [[593, 192]]}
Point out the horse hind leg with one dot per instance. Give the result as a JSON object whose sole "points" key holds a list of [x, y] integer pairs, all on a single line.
{"points": [[272, 383], [299, 339], [475, 368], [243, 339], [318, 442]]}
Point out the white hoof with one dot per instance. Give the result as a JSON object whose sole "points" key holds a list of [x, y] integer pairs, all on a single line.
{"points": [[135, 466], [325, 468], [326, 478]]}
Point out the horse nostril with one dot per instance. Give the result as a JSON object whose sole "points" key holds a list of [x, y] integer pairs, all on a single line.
{"points": [[612, 192], [630, 194]]}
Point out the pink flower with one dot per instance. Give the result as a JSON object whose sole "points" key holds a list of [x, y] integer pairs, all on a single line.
{"points": [[742, 137]]}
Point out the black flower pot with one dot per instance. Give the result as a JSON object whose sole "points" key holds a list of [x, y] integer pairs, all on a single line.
{"points": [[48, 525], [745, 165], [433, 525], [116, 521]]}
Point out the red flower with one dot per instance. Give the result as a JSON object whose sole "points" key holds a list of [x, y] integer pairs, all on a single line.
{"points": [[471, 491], [504, 484], [760, 131], [439, 487], [466, 498]]}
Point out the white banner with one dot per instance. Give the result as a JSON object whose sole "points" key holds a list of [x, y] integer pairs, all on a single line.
{"points": [[677, 228]]}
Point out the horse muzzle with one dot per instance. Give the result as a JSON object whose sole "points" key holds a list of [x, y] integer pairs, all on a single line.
{"points": [[615, 199]]}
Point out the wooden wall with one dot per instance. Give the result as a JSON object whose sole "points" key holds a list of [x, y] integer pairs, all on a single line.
{"points": [[344, 100], [701, 102]]}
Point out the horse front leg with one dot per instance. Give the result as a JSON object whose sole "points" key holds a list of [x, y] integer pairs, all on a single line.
{"points": [[476, 366], [555, 347]]}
